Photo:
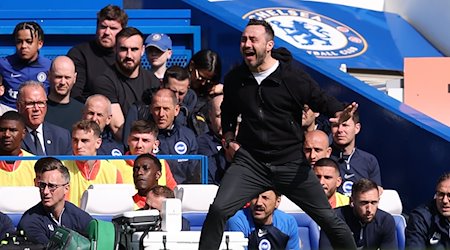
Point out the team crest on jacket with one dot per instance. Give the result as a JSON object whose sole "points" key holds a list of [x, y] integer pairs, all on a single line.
{"points": [[316, 34]]}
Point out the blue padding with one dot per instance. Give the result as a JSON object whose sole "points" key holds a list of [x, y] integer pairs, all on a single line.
{"points": [[400, 225], [15, 217], [308, 231], [103, 217], [195, 219]]}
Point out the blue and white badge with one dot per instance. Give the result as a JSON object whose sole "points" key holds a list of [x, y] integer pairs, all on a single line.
{"points": [[180, 147], [316, 34], [41, 76]]}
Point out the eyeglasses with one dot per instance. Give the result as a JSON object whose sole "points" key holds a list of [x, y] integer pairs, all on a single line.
{"points": [[200, 78], [440, 195], [39, 104], [51, 187]]}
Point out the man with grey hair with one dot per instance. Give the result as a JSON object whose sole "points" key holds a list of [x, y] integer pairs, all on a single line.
{"points": [[42, 138], [98, 108], [41, 221]]}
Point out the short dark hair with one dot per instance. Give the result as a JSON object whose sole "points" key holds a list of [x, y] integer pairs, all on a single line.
{"points": [[87, 125], [208, 60], [362, 186], [163, 191], [50, 163], [151, 157], [13, 116], [327, 162], [445, 176], [129, 32], [113, 12], [144, 127], [269, 30], [34, 28], [176, 72]]}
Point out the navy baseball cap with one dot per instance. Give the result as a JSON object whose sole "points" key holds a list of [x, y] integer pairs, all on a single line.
{"points": [[160, 41]]}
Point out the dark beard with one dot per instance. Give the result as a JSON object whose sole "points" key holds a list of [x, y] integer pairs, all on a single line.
{"points": [[127, 70]]}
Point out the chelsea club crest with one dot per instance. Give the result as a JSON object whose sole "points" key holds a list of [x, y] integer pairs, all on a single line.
{"points": [[316, 34]]}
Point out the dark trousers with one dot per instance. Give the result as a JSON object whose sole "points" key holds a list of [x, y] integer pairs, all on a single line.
{"points": [[247, 177]]}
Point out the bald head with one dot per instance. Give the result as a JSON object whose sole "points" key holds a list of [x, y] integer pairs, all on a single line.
{"points": [[98, 108], [62, 77], [316, 146]]}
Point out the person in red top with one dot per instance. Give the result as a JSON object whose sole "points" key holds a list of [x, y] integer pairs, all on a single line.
{"points": [[146, 172], [85, 142]]}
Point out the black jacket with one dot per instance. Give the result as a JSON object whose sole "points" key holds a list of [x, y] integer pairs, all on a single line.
{"points": [[271, 112], [427, 229]]}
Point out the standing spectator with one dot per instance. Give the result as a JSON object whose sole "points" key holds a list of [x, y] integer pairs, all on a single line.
{"points": [[62, 77], [12, 132], [354, 163], [126, 82], [26, 64], [428, 225], [264, 225], [96, 56], [175, 139], [316, 146], [143, 139], [158, 49], [98, 109], [53, 211], [210, 145], [42, 138], [327, 171], [85, 142], [372, 228], [267, 92]]}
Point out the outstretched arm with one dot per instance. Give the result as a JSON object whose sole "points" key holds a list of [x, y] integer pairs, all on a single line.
{"points": [[345, 114]]}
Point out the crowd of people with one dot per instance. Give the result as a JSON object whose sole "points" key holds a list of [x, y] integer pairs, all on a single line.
{"points": [[267, 130]]}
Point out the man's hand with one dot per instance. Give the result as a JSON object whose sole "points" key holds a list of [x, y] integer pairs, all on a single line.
{"points": [[345, 114], [230, 145]]}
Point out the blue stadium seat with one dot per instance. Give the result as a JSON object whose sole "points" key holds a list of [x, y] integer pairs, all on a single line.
{"points": [[308, 231], [195, 219], [400, 226]]}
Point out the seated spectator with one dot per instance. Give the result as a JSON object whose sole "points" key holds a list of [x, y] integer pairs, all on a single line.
{"points": [[210, 143], [264, 225], [41, 221], [372, 228], [327, 171], [126, 82], [155, 198], [354, 163], [143, 140], [428, 225], [98, 109], [25, 64], [176, 79], [316, 146], [205, 68], [314, 121], [12, 132], [146, 172], [42, 138], [62, 77], [85, 142], [158, 49], [94, 57], [6, 226], [175, 139]]}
